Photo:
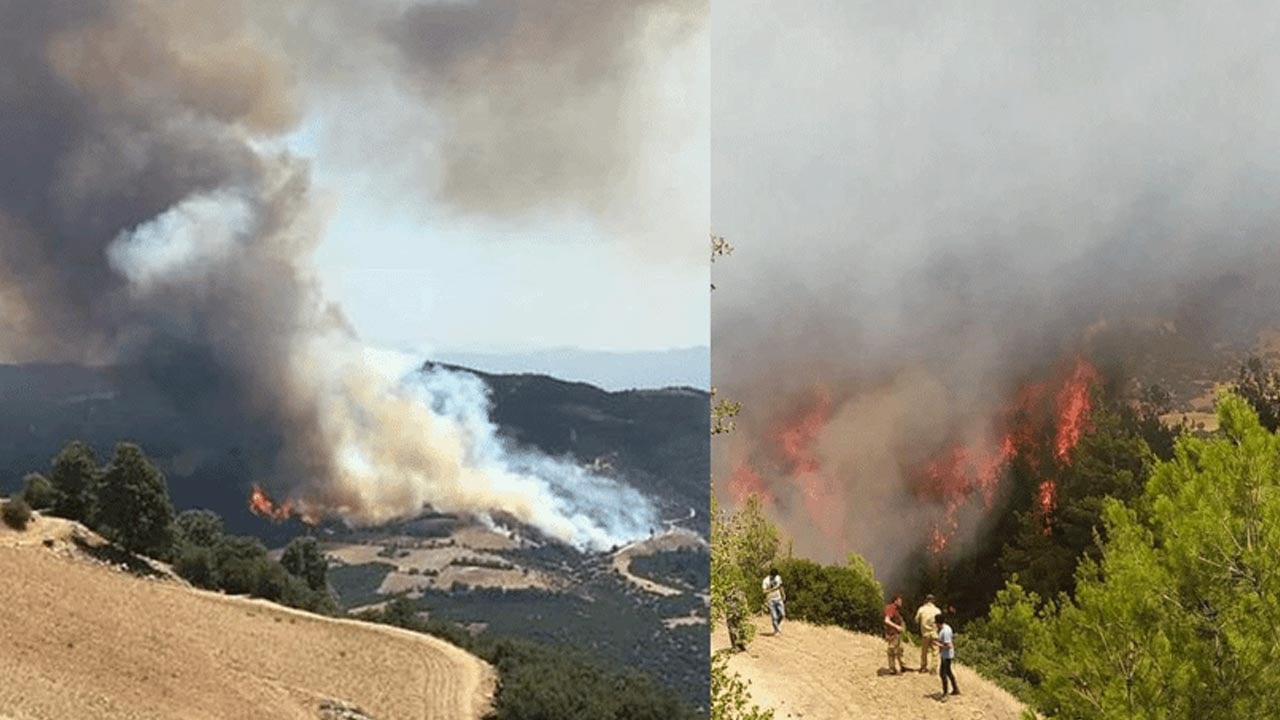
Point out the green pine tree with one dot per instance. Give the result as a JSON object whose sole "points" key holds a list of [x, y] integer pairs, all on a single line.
{"points": [[75, 472], [133, 507]]}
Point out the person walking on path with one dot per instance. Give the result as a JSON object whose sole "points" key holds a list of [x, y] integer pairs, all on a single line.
{"points": [[928, 631], [893, 634], [774, 597], [946, 643]]}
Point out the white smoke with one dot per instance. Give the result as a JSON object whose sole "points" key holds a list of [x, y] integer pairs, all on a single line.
{"points": [[183, 243], [391, 439], [404, 439]]}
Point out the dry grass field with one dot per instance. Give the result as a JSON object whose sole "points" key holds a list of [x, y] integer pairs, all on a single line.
{"points": [[82, 639]]}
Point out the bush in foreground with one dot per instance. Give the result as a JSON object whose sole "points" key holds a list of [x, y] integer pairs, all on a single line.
{"points": [[848, 596], [38, 492], [16, 513], [1172, 619], [730, 696]]}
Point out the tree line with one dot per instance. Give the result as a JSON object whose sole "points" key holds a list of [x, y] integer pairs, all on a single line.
{"points": [[1175, 609], [127, 502]]}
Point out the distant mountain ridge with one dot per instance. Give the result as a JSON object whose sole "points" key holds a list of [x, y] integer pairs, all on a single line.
{"points": [[689, 367], [655, 439]]}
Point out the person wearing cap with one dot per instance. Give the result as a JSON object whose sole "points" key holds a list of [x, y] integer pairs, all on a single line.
{"points": [[928, 631]]}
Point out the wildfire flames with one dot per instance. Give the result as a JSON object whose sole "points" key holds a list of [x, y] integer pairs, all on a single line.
{"points": [[794, 443], [745, 482], [260, 504], [1073, 408], [960, 472], [952, 477]]}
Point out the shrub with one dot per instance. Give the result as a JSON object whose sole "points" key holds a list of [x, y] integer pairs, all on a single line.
{"points": [[845, 595], [16, 513], [730, 696], [201, 528], [38, 492], [196, 564], [240, 563], [743, 544], [75, 472], [303, 558], [133, 507], [998, 645]]}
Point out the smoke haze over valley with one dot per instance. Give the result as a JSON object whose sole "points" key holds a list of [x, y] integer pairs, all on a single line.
{"points": [[154, 219]]}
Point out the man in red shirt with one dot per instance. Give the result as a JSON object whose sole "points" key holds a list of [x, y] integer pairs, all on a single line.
{"points": [[893, 634]]}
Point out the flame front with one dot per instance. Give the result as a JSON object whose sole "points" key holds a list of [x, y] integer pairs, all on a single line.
{"points": [[1074, 408], [958, 472], [745, 482], [1039, 426], [261, 504], [796, 441]]}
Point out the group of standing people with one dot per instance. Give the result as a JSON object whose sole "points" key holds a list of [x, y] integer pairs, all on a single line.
{"points": [[934, 632]]}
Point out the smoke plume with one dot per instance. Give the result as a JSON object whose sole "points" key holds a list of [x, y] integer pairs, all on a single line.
{"points": [[150, 220], [934, 207]]}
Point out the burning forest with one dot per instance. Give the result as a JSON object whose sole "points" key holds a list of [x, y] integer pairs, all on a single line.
{"points": [[948, 491], [928, 295]]}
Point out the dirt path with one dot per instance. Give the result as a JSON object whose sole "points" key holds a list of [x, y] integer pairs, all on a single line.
{"points": [[675, 539], [832, 674], [79, 640]]}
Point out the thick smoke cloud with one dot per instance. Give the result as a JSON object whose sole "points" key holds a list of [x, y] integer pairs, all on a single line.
{"points": [[518, 141], [933, 204], [148, 219]]}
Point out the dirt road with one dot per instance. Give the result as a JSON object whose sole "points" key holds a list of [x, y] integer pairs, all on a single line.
{"points": [[826, 673], [78, 640]]}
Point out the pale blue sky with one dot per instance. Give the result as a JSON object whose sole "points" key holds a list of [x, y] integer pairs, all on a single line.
{"points": [[416, 279]]}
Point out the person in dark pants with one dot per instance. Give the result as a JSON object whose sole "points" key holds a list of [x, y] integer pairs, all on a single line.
{"points": [[946, 641]]}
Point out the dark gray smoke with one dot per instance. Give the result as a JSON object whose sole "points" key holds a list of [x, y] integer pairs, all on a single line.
{"points": [[932, 204], [146, 220]]}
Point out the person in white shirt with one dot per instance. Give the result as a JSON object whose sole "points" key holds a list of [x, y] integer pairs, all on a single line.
{"points": [[774, 597], [946, 643]]}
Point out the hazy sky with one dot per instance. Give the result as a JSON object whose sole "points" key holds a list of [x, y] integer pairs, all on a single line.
{"points": [[417, 278]]}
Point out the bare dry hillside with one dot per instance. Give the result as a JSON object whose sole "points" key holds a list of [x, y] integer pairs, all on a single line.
{"points": [[827, 673], [81, 639]]}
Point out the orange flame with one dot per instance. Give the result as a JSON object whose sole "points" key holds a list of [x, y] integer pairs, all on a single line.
{"points": [[260, 504], [1074, 408], [745, 482], [796, 441], [958, 472], [1074, 411], [1046, 501]]}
